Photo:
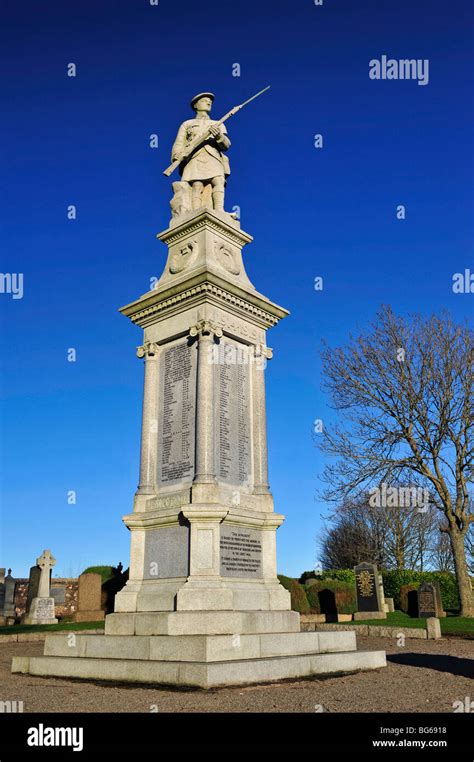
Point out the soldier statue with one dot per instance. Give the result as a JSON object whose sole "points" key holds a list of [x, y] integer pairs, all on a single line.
{"points": [[199, 151], [207, 164]]}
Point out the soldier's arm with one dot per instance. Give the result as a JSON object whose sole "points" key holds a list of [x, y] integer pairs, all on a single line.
{"points": [[222, 139], [178, 143]]}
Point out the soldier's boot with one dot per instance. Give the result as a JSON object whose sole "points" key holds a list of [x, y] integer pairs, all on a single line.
{"points": [[218, 200]]}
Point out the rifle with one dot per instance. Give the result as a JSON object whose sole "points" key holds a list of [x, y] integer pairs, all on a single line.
{"points": [[205, 135]]}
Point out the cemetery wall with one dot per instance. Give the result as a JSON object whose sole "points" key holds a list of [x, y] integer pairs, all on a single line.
{"points": [[67, 589]]}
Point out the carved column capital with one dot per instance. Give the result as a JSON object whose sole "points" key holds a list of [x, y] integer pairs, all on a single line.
{"points": [[261, 350], [148, 349], [206, 328]]}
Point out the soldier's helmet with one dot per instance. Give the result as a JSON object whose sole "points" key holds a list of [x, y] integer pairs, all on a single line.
{"points": [[201, 95]]}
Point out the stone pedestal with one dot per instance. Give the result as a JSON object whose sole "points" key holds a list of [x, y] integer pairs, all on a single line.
{"points": [[41, 612], [203, 605]]}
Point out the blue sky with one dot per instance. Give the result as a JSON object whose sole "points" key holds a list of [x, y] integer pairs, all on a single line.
{"points": [[327, 212]]}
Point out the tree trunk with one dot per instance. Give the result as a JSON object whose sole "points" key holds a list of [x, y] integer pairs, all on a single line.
{"points": [[462, 575]]}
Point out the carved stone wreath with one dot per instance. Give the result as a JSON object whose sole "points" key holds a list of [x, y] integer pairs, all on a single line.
{"points": [[227, 258], [184, 257]]}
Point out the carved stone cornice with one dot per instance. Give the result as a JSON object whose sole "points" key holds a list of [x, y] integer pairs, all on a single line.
{"points": [[152, 306], [207, 219]]}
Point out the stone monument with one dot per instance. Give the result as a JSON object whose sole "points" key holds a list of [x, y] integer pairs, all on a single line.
{"points": [[2, 595], [41, 609], [89, 598], [9, 599], [33, 587], [429, 601], [203, 605], [369, 591]]}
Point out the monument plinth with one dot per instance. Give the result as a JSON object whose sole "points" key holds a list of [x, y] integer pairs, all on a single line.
{"points": [[203, 605]]}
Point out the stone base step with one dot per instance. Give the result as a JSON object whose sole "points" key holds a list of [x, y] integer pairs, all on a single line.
{"points": [[199, 674], [201, 622], [200, 648]]}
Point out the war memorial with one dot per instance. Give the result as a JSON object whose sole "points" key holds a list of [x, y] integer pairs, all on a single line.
{"points": [[203, 605]]}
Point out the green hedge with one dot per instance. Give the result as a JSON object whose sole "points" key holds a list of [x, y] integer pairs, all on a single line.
{"points": [[315, 597], [106, 572], [299, 601], [344, 596], [393, 580], [342, 575], [312, 594]]}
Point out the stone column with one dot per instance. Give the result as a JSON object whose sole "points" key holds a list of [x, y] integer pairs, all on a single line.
{"points": [[260, 453], [206, 332], [149, 437]]}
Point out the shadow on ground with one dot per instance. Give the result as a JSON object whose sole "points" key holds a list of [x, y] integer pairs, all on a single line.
{"points": [[441, 662]]}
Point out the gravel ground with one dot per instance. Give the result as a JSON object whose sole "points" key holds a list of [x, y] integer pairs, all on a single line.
{"points": [[424, 676]]}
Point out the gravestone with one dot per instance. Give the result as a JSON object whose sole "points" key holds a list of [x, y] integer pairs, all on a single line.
{"points": [[389, 605], [2, 595], [427, 601], [33, 586], [41, 609], [58, 592], [382, 594], [9, 599], [369, 601], [89, 598], [203, 572]]}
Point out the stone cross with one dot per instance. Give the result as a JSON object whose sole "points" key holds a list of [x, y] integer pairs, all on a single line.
{"points": [[45, 562]]}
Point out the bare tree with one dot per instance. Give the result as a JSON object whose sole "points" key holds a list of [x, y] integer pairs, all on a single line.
{"points": [[441, 555], [347, 542], [405, 390]]}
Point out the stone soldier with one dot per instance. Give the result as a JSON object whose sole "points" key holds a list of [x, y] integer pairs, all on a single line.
{"points": [[207, 164]]}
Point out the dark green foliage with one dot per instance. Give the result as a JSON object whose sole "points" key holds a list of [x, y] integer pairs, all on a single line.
{"points": [[343, 575], [326, 596], [312, 594], [299, 601], [395, 579], [106, 572]]}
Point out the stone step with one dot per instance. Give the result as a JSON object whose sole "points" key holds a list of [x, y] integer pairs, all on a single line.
{"points": [[200, 674], [201, 622], [205, 648]]}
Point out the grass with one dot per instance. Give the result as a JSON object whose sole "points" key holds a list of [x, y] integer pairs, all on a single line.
{"points": [[16, 629], [450, 625]]}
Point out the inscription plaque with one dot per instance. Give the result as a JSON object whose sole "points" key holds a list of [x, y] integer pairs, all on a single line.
{"points": [[233, 414], [166, 552], [44, 608], [177, 412], [241, 552]]}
